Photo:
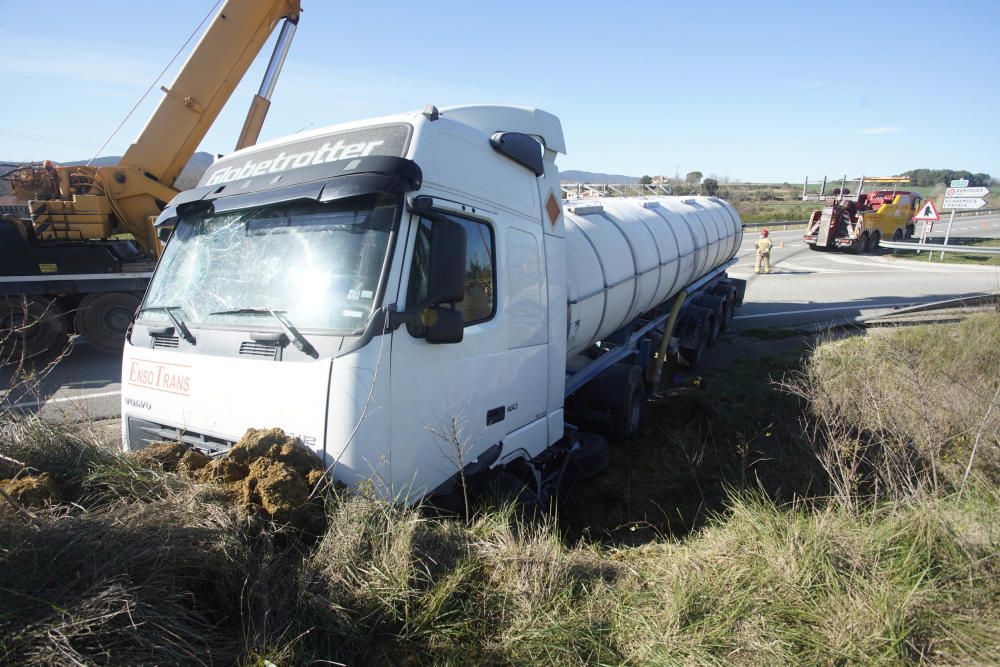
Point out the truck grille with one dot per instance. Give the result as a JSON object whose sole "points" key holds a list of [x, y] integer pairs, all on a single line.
{"points": [[169, 342], [142, 433], [255, 349]]}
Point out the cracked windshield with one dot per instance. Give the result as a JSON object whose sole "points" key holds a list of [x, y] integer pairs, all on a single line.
{"points": [[317, 263]]}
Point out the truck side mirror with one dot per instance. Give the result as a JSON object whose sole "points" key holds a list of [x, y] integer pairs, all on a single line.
{"points": [[445, 326], [446, 266]]}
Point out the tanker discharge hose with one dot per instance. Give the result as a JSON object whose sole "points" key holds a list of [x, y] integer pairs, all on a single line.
{"points": [[661, 351]]}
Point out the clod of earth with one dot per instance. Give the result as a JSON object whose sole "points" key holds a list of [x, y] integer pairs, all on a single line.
{"points": [[266, 472], [164, 455], [35, 491]]}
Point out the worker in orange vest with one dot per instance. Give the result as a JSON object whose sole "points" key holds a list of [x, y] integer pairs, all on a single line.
{"points": [[763, 247]]}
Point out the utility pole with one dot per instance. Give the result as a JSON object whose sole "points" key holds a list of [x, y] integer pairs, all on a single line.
{"points": [[677, 172]]}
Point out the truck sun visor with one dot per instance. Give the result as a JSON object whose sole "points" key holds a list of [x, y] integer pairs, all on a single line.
{"points": [[275, 161], [391, 175]]}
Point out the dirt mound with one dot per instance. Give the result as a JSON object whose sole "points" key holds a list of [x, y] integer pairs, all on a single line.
{"points": [[267, 472], [34, 491]]}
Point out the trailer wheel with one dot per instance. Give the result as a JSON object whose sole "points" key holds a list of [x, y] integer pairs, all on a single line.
{"points": [[29, 327], [104, 318], [728, 294], [691, 356], [625, 392], [897, 235], [717, 305]]}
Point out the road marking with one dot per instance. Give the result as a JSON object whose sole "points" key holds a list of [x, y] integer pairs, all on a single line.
{"points": [[826, 310], [78, 397]]}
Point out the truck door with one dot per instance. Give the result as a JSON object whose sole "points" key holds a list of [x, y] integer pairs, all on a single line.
{"points": [[526, 312], [447, 401]]}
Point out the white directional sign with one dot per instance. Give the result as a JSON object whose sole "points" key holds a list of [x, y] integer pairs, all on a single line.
{"points": [[963, 202], [966, 192], [927, 212], [960, 183]]}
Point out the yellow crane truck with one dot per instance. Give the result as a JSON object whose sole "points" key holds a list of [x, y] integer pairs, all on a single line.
{"points": [[81, 261], [858, 224]]}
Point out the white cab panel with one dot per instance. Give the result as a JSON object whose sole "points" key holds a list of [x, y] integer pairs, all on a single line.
{"points": [[525, 302], [224, 396]]}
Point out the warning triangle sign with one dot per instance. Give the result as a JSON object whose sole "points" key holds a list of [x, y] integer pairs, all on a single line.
{"points": [[927, 211]]}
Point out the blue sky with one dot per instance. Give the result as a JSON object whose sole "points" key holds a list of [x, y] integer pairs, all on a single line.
{"points": [[745, 90]]}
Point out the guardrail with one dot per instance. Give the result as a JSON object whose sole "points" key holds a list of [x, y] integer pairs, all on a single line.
{"points": [[934, 247], [958, 214], [966, 214]]}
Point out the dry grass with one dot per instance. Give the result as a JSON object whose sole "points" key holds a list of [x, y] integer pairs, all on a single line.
{"points": [[137, 566], [906, 410]]}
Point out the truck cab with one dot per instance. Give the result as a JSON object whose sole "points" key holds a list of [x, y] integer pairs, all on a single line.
{"points": [[391, 292]]}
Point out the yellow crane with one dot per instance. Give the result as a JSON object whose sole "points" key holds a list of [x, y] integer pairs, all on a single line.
{"points": [[82, 260]]}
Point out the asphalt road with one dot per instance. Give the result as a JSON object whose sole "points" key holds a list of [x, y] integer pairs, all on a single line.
{"points": [[804, 288]]}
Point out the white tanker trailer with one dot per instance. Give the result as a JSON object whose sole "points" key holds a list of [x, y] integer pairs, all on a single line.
{"points": [[411, 297]]}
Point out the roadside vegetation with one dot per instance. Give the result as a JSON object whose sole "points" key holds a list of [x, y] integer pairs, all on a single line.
{"points": [[833, 504], [758, 204]]}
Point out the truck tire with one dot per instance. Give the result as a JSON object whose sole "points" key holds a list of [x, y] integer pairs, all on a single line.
{"points": [[507, 489], [874, 239], [859, 245], [104, 318], [588, 456], [30, 327], [908, 234], [624, 391], [897, 235]]}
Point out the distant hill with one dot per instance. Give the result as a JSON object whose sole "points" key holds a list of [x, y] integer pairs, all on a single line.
{"points": [[576, 176], [189, 177]]}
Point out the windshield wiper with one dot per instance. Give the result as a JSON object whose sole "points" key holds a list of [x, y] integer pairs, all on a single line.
{"points": [[298, 340], [178, 322]]}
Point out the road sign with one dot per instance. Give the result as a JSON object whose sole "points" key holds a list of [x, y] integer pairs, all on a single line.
{"points": [[928, 212], [960, 183], [966, 192], [963, 202]]}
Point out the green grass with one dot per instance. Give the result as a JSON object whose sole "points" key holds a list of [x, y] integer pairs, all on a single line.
{"points": [[769, 211]]}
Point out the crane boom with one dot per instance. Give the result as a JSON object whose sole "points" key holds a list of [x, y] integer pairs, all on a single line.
{"points": [[204, 84], [71, 268], [87, 203]]}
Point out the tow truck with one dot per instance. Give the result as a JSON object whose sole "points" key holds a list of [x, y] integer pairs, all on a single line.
{"points": [[857, 225]]}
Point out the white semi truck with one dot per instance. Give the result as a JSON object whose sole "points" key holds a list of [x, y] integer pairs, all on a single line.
{"points": [[412, 298]]}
